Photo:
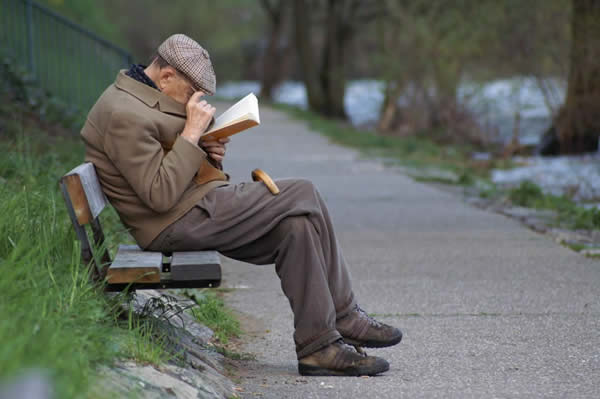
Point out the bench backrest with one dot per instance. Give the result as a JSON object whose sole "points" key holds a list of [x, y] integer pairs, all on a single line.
{"points": [[84, 191], [85, 201]]}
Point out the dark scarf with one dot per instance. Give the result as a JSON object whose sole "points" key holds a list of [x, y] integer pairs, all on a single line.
{"points": [[137, 72]]}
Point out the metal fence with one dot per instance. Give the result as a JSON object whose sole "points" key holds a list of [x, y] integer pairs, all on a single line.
{"points": [[66, 59]]}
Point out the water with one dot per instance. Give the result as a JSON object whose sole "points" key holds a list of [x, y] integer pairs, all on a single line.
{"points": [[362, 101], [495, 104]]}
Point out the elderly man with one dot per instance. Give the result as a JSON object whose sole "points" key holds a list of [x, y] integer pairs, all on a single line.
{"points": [[170, 191]]}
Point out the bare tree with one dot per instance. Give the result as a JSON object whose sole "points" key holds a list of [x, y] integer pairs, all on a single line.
{"points": [[276, 55], [428, 50], [325, 75], [425, 47], [576, 128]]}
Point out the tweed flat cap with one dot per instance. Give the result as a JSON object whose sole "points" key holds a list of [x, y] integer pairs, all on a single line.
{"points": [[189, 58]]}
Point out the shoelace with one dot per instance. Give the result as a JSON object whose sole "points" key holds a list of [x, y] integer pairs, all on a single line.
{"points": [[351, 348], [369, 319]]}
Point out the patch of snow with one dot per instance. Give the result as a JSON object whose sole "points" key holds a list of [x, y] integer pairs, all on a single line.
{"points": [[575, 176], [481, 156], [291, 93], [507, 96], [363, 101], [496, 104]]}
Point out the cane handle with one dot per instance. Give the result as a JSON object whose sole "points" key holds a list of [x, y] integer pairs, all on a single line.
{"points": [[259, 175]]}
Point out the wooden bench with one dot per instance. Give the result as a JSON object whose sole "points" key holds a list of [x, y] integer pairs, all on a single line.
{"points": [[132, 268]]}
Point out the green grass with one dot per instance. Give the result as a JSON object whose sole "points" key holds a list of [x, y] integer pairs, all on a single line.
{"points": [[211, 311], [234, 355], [146, 344], [530, 195], [52, 318], [574, 246]]}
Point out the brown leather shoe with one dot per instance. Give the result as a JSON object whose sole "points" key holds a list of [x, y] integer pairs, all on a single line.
{"points": [[339, 359], [360, 329]]}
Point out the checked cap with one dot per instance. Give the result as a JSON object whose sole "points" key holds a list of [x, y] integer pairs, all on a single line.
{"points": [[188, 57]]}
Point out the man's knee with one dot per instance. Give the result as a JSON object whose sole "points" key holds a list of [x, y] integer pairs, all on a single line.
{"points": [[305, 184], [303, 188], [293, 225]]}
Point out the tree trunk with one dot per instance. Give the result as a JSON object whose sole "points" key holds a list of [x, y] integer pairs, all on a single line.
{"points": [[308, 63], [325, 79], [333, 77], [577, 124], [388, 118], [274, 57]]}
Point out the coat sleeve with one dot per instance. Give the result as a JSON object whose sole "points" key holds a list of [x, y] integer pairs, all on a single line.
{"points": [[131, 143]]}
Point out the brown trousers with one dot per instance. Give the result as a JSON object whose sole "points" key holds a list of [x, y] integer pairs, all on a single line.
{"points": [[293, 230]]}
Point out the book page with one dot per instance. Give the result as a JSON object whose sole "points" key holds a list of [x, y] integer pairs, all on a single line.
{"points": [[246, 108]]}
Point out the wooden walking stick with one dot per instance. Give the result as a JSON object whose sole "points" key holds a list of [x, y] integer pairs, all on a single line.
{"points": [[259, 175]]}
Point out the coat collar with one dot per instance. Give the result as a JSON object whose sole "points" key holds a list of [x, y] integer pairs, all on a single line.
{"points": [[149, 95]]}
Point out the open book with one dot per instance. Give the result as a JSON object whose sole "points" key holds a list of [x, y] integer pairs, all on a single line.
{"points": [[240, 116]]}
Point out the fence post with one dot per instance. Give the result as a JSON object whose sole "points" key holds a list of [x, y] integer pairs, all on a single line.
{"points": [[29, 27]]}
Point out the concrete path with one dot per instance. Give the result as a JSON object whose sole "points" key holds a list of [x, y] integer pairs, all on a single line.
{"points": [[488, 308]]}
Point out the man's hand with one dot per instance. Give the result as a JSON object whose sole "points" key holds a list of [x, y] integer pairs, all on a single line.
{"points": [[216, 148], [199, 115]]}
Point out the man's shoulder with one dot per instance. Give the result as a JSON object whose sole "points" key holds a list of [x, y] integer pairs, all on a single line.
{"points": [[116, 100], [113, 105], [117, 103]]}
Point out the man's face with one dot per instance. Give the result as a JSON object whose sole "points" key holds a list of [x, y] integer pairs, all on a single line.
{"points": [[175, 85]]}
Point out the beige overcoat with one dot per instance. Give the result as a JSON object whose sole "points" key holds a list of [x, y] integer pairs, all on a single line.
{"points": [[150, 175]]}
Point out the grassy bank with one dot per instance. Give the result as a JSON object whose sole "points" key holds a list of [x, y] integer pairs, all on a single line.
{"points": [[422, 154], [529, 195], [212, 312], [52, 318]]}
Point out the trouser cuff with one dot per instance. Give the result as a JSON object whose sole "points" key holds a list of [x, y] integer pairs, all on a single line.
{"points": [[345, 310], [314, 344]]}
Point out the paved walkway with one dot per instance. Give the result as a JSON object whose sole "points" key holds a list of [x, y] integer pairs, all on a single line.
{"points": [[488, 308]]}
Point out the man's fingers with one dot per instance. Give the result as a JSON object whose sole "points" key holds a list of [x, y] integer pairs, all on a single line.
{"points": [[206, 107], [215, 150], [199, 114], [202, 104], [216, 157], [224, 140], [213, 143], [195, 97]]}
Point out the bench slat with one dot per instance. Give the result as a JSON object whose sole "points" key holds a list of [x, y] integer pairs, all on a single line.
{"points": [[86, 194], [134, 265], [164, 284], [195, 265]]}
